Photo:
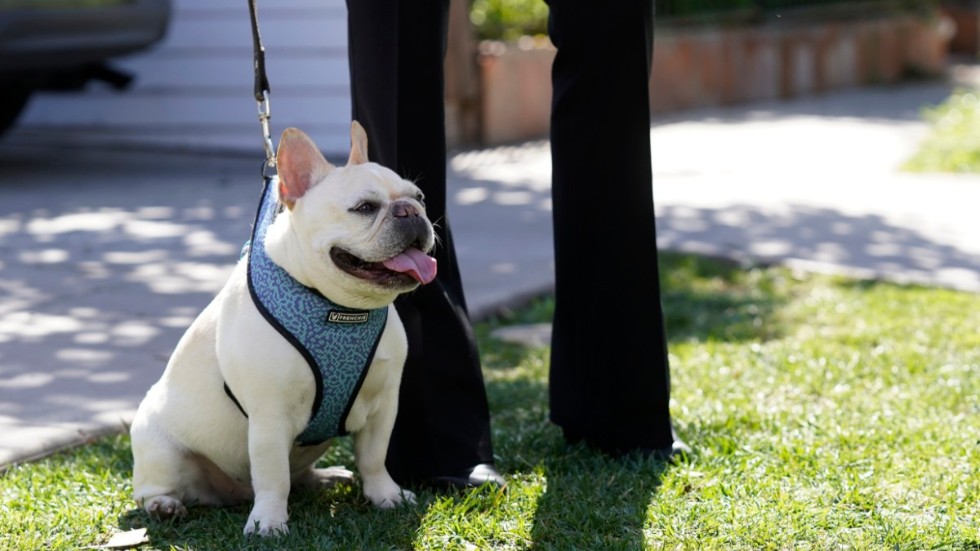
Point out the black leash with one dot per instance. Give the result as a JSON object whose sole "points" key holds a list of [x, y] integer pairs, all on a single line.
{"points": [[261, 89], [261, 93]]}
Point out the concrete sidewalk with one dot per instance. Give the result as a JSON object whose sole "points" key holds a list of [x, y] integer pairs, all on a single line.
{"points": [[106, 254]]}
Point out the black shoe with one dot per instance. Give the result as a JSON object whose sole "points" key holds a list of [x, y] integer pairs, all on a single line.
{"points": [[484, 473]]}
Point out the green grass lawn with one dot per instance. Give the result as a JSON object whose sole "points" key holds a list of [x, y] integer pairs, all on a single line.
{"points": [[825, 413], [953, 143]]}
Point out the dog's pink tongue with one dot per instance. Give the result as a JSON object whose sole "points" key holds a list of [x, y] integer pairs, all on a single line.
{"points": [[414, 263]]}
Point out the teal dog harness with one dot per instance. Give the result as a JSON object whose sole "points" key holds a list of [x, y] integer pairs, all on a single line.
{"points": [[337, 342]]}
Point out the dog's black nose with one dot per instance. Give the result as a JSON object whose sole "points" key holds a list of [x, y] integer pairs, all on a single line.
{"points": [[409, 222], [403, 209]]}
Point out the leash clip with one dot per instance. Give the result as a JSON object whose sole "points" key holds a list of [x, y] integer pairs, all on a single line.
{"points": [[265, 113], [261, 91]]}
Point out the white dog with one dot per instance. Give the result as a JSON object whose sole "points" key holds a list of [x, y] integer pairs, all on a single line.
{"points": [[232, 418]]}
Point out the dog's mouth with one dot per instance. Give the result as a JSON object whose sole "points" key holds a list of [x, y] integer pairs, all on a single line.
{"points": [[409, 266]]}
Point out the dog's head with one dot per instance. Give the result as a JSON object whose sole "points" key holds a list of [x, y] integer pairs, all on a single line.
{"points": [[360, 232]]}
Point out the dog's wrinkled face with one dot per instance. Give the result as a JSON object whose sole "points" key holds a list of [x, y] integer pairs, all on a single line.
{"points": [[391, 251], [363, 229]]}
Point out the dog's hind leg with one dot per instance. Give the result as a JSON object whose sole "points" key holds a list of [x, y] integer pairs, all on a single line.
{"points": [[160, 472], [167, 477]]}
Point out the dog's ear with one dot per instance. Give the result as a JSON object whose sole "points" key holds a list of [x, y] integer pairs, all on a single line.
{"points": [[299, 164], [358, 144]]}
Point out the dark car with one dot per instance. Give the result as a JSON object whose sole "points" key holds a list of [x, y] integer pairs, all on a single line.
{"points": [[64, 44]]}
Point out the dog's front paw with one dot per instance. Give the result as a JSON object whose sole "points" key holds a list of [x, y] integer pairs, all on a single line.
{"points": [[266, 524], [408, 497], [164, 507]]}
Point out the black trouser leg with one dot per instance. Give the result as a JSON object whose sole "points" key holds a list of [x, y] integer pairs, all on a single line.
{"points": [[609, 378], [396, 50]]}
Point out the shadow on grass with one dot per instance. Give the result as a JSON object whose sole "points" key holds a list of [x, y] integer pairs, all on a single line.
{"points": [[319, 518], [704, 299], [593, 501], [336, 518], [712, 299]]}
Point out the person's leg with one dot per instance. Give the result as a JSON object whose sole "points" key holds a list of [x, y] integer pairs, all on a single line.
{"points": [[609, 376], [396, 61]]}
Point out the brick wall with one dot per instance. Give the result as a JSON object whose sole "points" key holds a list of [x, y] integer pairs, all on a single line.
{"points": [[728, 66], [966, 19], [701, 67]]}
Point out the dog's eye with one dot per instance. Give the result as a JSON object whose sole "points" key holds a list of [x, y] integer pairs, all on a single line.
{"points": [[367, 207], [420, 197]]}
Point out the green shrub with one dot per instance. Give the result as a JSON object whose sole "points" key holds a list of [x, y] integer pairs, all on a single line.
{"points": [[509, 19]]}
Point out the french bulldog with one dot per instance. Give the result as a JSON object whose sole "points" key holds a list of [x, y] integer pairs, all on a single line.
{"points": [[222, 425]]}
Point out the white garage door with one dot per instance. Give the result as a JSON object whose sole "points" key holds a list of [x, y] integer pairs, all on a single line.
{"points": [[194, 89]]}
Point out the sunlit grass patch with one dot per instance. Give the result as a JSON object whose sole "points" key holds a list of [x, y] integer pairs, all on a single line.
{"points": [[953, 144]]}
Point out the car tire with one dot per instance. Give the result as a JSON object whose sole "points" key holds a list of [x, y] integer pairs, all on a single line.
{"points": [[13, 100]]}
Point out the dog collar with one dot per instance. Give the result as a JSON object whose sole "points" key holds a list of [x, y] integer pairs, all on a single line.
{"points": [[338, 343]]}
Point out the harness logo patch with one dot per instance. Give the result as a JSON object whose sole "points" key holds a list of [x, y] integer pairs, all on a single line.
{"points": [[347, 317]]}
